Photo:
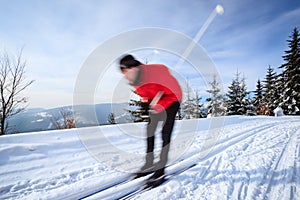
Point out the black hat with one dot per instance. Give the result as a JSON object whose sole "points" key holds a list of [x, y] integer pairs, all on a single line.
{"points": [[129, 61]]}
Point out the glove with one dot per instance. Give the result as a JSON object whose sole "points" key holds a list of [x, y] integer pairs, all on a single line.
{"points": [[156, 109]]}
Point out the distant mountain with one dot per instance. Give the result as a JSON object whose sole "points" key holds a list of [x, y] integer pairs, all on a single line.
{"points": [[39, 119]]}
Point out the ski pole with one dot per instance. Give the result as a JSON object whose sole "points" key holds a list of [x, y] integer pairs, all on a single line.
{"points": [[156, 98]]}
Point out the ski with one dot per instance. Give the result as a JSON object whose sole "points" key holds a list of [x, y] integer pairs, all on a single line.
{"points": [[150, 184], [125, 189], [123, 181], [110, 185], [155, 183]]}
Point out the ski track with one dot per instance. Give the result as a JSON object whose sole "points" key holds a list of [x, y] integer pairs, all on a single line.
{"points": [[240, 189], [103, 194], [260, 161], [222, 170]]}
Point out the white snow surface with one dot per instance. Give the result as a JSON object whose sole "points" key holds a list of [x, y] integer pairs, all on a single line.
{"points": [[253, 158]]}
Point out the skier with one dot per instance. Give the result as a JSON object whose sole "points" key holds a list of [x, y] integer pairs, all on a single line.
{"points": [[162, 94]]}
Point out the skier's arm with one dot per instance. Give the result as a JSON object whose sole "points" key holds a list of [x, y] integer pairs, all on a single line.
{"points": [[156, 108]]}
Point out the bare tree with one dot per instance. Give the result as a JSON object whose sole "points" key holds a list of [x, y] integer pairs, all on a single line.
{"points": [[12, 84], [66, 119]]}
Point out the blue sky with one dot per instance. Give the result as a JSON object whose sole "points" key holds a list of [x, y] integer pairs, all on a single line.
{"points": [[58, 36]]}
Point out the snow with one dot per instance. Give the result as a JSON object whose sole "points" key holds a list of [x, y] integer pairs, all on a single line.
{"points": [[251, 158], [278, 112]]}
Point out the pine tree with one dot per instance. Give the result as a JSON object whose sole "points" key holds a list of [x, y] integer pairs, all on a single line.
{"points": [[111, 118], [279, 85], [270, 90], [238, 103], [258, 95], [192, 108], [198, 106], [290, 75], [234, 103], [216, 105], [247, 106], [187, 105]]}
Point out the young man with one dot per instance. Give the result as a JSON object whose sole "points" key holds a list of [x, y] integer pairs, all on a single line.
{"points": [[162, 94]]}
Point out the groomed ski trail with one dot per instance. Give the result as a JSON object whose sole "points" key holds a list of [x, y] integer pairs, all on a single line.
{"points": [[228, 168], [252, 158], [246, 136]]}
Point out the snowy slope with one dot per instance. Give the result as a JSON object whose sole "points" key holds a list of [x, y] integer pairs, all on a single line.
{"points": [[253, 158]]}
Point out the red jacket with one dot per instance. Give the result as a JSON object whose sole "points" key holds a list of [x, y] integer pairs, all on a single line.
{"points": [[154, 78]]}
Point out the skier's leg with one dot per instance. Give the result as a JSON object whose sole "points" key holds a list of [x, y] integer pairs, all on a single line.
{"points": [[148, 167], [166, 136], [151, 127]]}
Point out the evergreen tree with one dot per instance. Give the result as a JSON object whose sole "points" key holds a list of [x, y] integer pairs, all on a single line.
{"points": [[111, 118], [198, 107], [233, 103], [187, 105], [258, 95], [270, 91], [192, 108], [237, 102], [216, 105], [290, 75], [279, 85], [246, 102]]}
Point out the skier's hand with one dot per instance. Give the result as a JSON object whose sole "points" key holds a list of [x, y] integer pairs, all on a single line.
{"points": [[145, 100], [156, 109]]}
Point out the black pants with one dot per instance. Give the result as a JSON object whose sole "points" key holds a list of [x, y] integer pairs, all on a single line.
{"points": [[168, 118]]}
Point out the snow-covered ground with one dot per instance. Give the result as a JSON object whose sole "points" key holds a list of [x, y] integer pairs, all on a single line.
{"points": [[250, 158]]}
